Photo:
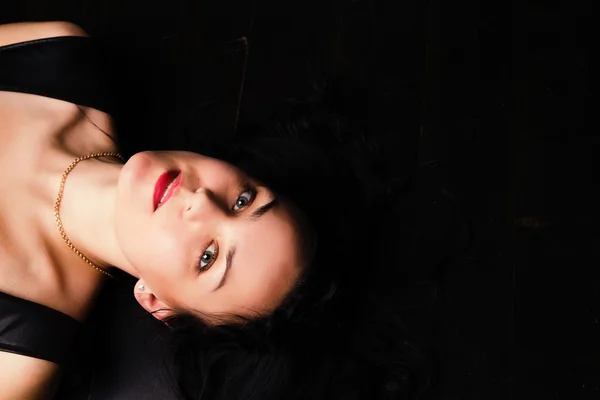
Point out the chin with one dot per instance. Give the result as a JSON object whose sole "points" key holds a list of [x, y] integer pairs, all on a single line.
{"points": [[135, 179]]}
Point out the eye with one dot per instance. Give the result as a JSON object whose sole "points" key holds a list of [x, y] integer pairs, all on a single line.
{"points": [[244, 200], [208, 257]]}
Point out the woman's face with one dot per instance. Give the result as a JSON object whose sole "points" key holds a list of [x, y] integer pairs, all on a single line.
{"points": [[220, 243]]}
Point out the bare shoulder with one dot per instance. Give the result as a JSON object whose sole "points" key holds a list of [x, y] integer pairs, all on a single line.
{"points": [[24, 377], [25, 31]]}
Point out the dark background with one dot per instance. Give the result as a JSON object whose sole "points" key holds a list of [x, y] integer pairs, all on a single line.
{"points": [[489, 98]]}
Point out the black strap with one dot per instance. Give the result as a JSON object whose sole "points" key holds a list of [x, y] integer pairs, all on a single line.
{"points": [[69, 68], [34, 330]]}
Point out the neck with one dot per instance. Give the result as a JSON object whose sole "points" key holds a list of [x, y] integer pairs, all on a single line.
{"points": [[87, 211]]}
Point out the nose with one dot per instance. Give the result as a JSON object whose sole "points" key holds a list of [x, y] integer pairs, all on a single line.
{"points": [[204, 206]]}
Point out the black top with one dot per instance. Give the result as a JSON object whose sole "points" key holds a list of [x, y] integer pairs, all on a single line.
{"points": [[65, 68], [35, 330], [69, 68]]}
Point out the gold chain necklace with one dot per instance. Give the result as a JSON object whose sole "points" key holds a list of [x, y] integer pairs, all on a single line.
{"points": [[59, 198]]}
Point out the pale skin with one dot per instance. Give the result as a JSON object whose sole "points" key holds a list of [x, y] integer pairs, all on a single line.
{"points": [[178, 252]]}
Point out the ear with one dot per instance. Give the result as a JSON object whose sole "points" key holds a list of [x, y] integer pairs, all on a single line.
{"points": [[148, 300]]}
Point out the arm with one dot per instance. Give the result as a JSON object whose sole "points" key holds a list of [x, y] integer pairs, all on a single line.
{"points": [[24, 31], [26, 378], [21, 377]]}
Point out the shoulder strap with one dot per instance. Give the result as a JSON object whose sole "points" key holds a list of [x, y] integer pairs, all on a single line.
{"points": [[69, 68], [34, 330]]}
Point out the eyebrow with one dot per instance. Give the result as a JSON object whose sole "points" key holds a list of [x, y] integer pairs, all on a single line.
{"points": [[262, 210], [256, 214]]}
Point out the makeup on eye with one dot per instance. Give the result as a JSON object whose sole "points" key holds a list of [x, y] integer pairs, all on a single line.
{"points": [[204, 263], [211, 253], [248, 200]]}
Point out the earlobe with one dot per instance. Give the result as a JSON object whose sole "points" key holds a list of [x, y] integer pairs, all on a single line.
{"points": [[149, 302]]}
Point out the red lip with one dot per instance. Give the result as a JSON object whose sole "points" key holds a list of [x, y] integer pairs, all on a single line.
{"points": [[162, 183]]}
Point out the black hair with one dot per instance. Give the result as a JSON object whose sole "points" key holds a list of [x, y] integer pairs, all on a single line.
{"points": [[339, 334]]}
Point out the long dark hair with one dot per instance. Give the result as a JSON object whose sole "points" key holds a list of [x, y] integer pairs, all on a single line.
{"points": [[339, 334]]}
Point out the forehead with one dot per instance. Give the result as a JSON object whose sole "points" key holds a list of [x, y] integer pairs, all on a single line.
{"points": [[267, 261]]}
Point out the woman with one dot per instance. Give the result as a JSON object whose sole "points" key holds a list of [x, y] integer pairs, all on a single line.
{"points": [[218, 253]]}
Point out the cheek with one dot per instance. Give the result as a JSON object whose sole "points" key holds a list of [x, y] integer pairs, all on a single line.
{"points": [[153, 250], [161, 265]]}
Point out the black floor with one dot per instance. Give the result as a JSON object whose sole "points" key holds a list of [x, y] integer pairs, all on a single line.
{"points": [[494, 95]]}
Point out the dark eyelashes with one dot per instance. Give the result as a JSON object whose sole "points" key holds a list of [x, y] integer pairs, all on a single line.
{"points": [[254, 193]]}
